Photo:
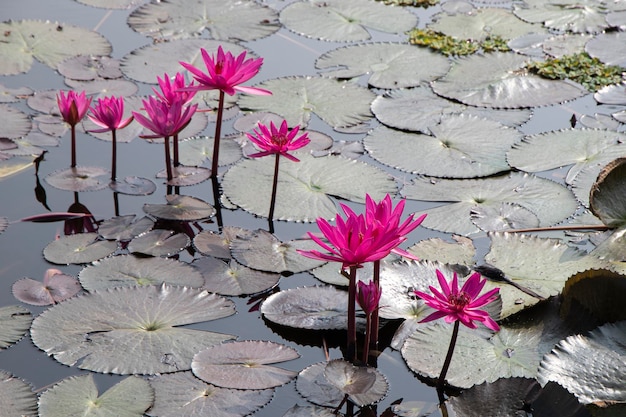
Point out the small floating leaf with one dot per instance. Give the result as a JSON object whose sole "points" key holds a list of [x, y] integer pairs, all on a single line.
{"points": [[159, 242], [133, 186], [79, 179], [124, 227], [232, 278], [54, 217], [180, 207], [80, 248], [56, 287], [14, 323]]}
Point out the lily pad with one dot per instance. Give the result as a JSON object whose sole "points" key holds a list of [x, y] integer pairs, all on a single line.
{"points": [[182, 394], [345, 20], [499, 80], [606, 193], [233, 278], [78, 395], [14, 165], [218, 245], [86, 68], [549, 201], [133, 186], [159, 242], [111, 4], [79, 179], [310, 411], [507, 216], [461, 251], [459, 147], [185, 176], [56, 287], [580, 16], [388, 65], [350, 379], [48, 42], [124, 228], [244, 365], [304, 188], [80, 248], [129, 270], [14, 323], [608, 48], [180, 207], [338, 103], [194, 151], [16, 396], [94, 331], [229, 20], [14, 122]]}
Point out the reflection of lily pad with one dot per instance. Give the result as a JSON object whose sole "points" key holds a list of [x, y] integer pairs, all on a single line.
{"points": [[14, 323], [79, 179], [80, 248], [96, 331], [180, 207], [16, 397]]}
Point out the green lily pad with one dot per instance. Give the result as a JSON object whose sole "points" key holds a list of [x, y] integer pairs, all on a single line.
{"points": [[80, 248], [16, 396], [159, 242], [607, 192], [129, 271], [96, 331], [233, 278], [388, 65], [458, 147], [244, 365], [506, 217], [304, 188], [345, 20], [580, 16], [78, 395], [14, 123], [124, 228], [224, 19], [194, 151], [79, 179], [48, 42], [461, 251], [182, 394], [549, 201], [180, 207], [14, 323], [338, 103]]}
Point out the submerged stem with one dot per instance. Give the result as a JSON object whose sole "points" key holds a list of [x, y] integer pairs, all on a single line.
{"points": [[218, 132]]}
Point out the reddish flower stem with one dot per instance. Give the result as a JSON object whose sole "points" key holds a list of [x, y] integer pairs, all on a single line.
{"points": [[168, 166], [113, 156], [446, 363], [175, 144], [218, 132], [368, 336], [375, 323], [73, 146], [273, 200], [351, 347]]}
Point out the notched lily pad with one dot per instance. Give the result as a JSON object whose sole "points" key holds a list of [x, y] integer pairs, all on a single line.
{"points": [[124, 228], [233, 278], [14, 323], [17, 397], [180, 207], [79, 179], [133, 186], [80, 248]]}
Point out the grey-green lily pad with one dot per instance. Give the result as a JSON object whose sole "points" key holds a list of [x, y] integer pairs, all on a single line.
{"points": [[78, 395], [460, 252], [591, 367], [148, 62], [56, 287], [507, 216], [349, 378], [244, 365], [111, 4], [195, 150], [95, 331], [80, 248], [313, 385], [14, 122], [218, 245], [345, 20], [611, 249], [607, 192], [14, 323], [13, 94], [104, 88], [48, 42], [396, 108], [476, 359], [180, 207], [608, 48], [232, 278], [584, 181], [225, 20], [549, 201], [499, 80], [581, 147], [182, 394], [186, 176], [338, 103], [538, 264], [459, 147], [580, 16], [159, 242], [304, 188], [483, 23], [530, 44], [313, 308], [124, 228], [16, 396], [86, 68], [133, 186], [611, 94], [79, 179], [130, 270], [388, 65], [565, 44], [263, 251]]}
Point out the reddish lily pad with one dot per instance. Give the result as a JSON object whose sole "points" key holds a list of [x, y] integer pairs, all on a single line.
{"points": [[56, 287]]}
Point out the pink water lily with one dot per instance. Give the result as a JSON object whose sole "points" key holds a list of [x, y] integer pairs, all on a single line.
{"points": [[461, 305], [72, 106], [278, 141], [108, 113], [368, 296], [174, 90], [226, 72]]}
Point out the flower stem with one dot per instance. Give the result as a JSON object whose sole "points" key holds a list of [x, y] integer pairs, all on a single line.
{"points": [[374, 325], [168, 166], [351, 347], [73, 147], [175, 139], [218, 132], [368, 335], [446, 364], [113, 156], [274, 187]]}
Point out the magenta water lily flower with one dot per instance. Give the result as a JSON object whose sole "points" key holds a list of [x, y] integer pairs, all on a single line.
{"points": [[461, 305], [368, 296], [72, 106], [108, 113], [173, 90], [278, 141], [226, 72]]}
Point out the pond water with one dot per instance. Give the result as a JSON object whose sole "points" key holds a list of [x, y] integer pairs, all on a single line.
{"points": [[285, 54]]}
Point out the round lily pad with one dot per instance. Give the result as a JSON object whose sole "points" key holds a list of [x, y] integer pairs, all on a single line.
{"points": [[581, 16], [233, 278], [133, 186], [17, 397], [80, 248], [79, 179], [14, 323], [185, 176], [180, 207], [56, 287], [218, 245], [124, 227], [14, 123], [159, 242]]}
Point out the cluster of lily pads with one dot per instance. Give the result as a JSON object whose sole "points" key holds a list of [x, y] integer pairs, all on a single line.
{"points": [[451, 126]]}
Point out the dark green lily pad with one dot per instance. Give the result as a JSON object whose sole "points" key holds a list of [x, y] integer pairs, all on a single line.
{"points": [[458, 147], [182, 394], [338, 103], [14, 323], [304, 188], [388, 65], [78, 395], [499, 80], [606, 194], [129, 271], [14, 122], [244, 365], [180, 207], [94, 331], [226, 20], [48, 42], [16, 396], [80, 248], [56, 287], [79, 179], [159, 242], [123, 228], [233, 278], [345, 20]]}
